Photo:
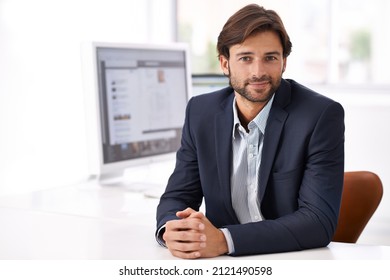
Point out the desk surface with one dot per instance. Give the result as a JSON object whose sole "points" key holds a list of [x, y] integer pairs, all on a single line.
{"points": [[93, 222]]}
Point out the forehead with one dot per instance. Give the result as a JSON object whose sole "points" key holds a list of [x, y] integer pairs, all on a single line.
{"points": [[266, 41]]}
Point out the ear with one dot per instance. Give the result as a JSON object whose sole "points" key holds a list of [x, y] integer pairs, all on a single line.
{"points": [[284, 64], [224, 63]]}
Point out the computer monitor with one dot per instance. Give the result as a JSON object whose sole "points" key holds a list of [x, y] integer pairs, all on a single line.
{"points": [[205, 83], [140, 93]]}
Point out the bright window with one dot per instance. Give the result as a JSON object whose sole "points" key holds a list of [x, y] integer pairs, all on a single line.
{"points": [[334, 41]]}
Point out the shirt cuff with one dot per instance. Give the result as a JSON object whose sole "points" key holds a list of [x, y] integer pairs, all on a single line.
{"points": [[229, 240], [159, 235]]}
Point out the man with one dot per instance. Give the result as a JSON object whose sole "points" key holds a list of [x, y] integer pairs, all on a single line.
{"points": [[266, 154]]}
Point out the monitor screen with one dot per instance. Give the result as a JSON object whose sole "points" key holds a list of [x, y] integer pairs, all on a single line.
{"points": [[141, 95]]}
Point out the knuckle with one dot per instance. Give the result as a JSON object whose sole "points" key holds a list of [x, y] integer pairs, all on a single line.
{"points": [[183, 235]]}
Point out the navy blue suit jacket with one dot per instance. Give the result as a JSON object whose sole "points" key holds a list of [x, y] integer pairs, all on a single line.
{"points": [[301, 174]]}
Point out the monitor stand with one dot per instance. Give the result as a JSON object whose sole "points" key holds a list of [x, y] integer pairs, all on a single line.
{"points": [[149, 179]]}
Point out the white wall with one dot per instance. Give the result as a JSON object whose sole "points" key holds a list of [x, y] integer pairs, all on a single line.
{"points": [[42, 120]]}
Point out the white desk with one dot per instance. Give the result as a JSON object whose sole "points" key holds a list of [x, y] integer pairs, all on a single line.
{"points": [[91, 222]]}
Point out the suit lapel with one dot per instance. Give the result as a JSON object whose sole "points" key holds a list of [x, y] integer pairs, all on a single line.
{"points": [[273, 131], [223, 143], [223, 148]]}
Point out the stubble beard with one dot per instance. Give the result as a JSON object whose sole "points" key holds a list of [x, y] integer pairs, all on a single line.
{"points": [[260, 95]]}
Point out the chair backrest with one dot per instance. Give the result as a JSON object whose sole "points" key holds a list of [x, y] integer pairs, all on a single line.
{"points": [[361, 196]]}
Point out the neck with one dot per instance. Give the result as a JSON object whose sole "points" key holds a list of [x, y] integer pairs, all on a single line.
{"points": [[247, 110]]}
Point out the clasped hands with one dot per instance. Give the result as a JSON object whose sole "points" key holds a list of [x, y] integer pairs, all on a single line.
{"points": [[194, 236]]}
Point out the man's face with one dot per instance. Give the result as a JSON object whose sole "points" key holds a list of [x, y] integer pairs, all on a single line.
{"points": [[255, 67]]}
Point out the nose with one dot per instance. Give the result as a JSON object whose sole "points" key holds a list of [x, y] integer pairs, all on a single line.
{"points": [[258, 68]]}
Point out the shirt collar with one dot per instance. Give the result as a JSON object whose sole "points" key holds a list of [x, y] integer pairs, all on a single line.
{"points": [[260, 120]]}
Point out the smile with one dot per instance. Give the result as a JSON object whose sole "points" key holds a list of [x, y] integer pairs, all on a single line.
{"points": [[262, 84]]}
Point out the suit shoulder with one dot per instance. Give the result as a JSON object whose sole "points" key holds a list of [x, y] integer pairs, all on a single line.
{"points": [[215, 95], [212, 99], [307, 95]]}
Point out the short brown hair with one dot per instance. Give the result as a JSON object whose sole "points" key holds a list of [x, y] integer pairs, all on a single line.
{"points": [[248, 21]]}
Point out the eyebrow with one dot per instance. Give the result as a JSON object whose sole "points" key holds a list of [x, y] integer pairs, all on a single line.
{"points": [[244, 53], [273, 53], [251, 53]]}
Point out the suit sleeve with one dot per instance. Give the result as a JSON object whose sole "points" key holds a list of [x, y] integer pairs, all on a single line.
{"points": [[183, 188]]}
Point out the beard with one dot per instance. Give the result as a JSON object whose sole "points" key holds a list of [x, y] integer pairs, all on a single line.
{"points": [[255, 95]]}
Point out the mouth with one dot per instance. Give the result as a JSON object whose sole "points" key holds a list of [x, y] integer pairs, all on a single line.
{"points": [[259, 84]]}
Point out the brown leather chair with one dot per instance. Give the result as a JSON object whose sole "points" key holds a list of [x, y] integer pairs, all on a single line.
{"points": [[361, 196]]}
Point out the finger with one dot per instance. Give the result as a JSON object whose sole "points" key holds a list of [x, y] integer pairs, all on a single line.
{"points": [[185, 213], [186, 246], [184, 236], [197, 215], [186, 255], [186, 249], [184, 224]]}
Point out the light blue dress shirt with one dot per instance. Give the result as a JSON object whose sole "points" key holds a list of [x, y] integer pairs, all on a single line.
{"points": [[247, 148]]}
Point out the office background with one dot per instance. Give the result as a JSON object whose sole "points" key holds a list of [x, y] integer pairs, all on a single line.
{"points": [[340, 49]]}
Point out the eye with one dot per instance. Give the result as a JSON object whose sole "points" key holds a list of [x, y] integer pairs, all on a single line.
{"points": [[245, 58], [271, 58]]}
